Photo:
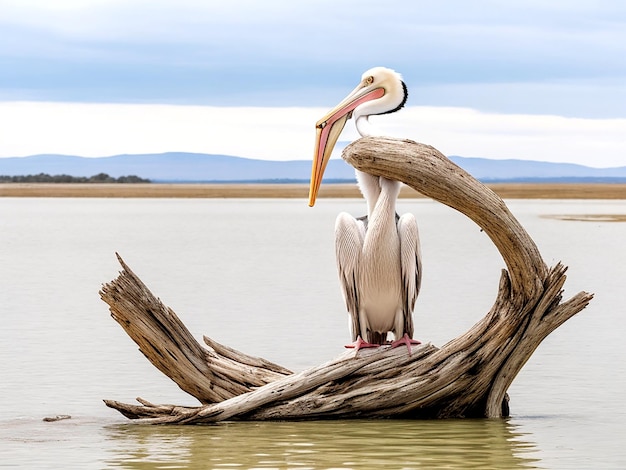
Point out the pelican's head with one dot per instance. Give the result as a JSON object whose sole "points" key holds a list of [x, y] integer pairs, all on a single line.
{"points": [[381, 91]]}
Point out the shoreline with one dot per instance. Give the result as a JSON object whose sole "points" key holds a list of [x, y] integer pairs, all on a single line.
{"points": [[292, 190]]}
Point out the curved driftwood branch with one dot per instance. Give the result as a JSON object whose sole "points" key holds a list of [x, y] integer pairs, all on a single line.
{"points": [[428, 171], [467, 377], [211, 375]]}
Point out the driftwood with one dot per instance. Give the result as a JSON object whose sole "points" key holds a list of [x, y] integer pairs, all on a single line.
{"points": [[467, 377]]}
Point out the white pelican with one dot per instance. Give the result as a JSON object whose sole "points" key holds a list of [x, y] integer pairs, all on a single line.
{"points": [[378, 256]]}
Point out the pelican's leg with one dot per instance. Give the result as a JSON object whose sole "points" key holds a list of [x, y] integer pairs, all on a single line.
{"points": [[405, 340], [360, 344]]}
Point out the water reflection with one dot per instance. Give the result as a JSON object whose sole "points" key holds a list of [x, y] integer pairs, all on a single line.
{"points": [[450, 444]]}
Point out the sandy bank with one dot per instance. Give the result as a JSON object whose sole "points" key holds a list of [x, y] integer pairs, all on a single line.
{"points": [[505, 190]]}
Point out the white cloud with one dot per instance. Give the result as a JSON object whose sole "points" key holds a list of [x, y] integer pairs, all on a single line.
{"points": [[92, 129], [287, 133]]}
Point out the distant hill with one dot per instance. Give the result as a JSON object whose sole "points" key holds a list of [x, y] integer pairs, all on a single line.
{"points": [[486, 169], [172, 167], [195, 167]]}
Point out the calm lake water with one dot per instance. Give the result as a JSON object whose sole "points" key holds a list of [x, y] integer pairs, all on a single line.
{"points": [[259, 275]]}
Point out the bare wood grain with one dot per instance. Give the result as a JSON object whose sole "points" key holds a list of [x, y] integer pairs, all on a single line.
{"points": [[467, 377], [210, 375]]}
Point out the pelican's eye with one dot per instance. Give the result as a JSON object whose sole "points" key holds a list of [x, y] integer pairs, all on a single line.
{"points": [[369, 80]]}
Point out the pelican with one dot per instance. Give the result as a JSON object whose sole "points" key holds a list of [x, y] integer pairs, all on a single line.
{"points": [[378, 255]]}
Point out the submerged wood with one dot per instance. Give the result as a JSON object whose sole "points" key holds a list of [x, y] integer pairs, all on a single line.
{"points": [[467, 377]]}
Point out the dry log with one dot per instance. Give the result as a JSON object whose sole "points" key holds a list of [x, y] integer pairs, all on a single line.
{"points": [[467, 377], [211, 375]]}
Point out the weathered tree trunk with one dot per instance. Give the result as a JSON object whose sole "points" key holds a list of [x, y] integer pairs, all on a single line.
{"points": [[467, 377]]}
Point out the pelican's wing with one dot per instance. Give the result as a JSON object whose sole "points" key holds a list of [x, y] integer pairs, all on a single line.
{"points": [[411, 267], [349, 235]]}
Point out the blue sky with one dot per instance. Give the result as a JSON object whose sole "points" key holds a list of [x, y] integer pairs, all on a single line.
{"points": [[542, 80]]}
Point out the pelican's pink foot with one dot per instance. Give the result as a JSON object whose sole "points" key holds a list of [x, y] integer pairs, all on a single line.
{"points": [[405, 340], [360, 344]]}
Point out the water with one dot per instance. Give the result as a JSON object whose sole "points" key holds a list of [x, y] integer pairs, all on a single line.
{"points": [[259, 275]]}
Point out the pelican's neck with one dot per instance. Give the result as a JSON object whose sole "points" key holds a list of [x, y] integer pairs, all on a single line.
{"points": [[365, 127], [368, 184], [378, 191], [381, 238]]}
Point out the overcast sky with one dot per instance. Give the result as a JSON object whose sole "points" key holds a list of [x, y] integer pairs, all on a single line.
{"points": [[542, 80]]}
